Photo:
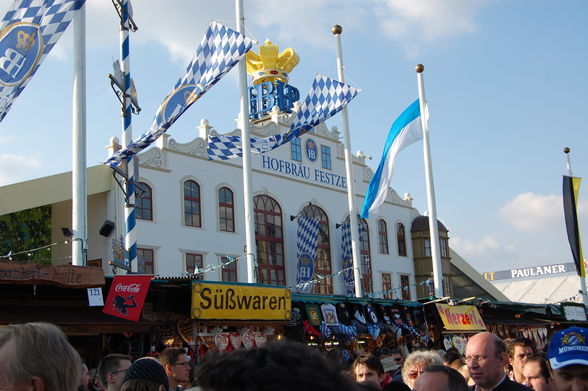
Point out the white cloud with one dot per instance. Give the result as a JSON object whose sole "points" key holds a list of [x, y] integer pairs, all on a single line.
{"points": [[530, 212], [6, 139], [469, 248], [418, 22], [14, 167], [411, 23]]}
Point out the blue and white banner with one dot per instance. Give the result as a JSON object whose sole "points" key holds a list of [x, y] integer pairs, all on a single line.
{"points": [[29, 31], [307, 235], [347, 259], [326, 98], [405, 130], [220, 50]]}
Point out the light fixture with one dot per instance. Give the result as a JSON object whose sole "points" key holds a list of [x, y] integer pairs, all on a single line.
{"points": [[293, 217]]}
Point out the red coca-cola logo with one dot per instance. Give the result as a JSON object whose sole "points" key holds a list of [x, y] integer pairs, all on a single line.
{"points": [[131, 288]]}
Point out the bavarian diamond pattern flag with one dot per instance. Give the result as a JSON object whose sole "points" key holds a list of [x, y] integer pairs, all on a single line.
{"points": [[326, 98], [347, 259], [29, 31], [220, 50], [308, 230]]}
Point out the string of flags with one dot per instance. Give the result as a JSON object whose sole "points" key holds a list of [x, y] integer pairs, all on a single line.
{"points": [[210, 268], [577, 298], [31, 251], [318, 279], [401, 288]]}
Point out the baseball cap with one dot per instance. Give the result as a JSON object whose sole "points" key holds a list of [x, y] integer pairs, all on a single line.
{"points": [[148, 369], [568, 347]]}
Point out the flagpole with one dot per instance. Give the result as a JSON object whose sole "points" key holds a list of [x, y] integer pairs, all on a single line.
{"points": [[243, 123], [433, 228], [79, 192], [337, 30], [127, 138], [582, 279]]}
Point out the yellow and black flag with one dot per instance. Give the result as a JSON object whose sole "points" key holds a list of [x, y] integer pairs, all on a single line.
{"points": [[571, 188]]}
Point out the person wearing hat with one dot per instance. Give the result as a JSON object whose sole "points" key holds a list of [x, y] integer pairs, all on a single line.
{"points": [[146, 374], [567, 356]]}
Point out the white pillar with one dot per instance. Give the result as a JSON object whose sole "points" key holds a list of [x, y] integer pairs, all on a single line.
{"points": [[337, 30], [245, 139], [433, 228], [79, 193]]}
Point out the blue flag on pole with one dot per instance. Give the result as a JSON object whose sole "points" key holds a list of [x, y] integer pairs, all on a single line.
{"points": [[405, 130], [326, 98], [220, 50], [29, 31]]}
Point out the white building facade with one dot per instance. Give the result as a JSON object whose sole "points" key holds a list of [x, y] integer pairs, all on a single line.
{"points": [[190, 214]]}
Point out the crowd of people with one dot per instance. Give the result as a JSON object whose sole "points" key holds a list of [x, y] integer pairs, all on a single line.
{"points": [[38, 357]]}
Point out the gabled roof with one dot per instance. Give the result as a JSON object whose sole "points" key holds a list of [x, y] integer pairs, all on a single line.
{"points": [[476, 286]]}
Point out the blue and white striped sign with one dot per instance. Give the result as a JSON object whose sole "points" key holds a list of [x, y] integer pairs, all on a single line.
{"points": [[29, 31], [220, 50]]}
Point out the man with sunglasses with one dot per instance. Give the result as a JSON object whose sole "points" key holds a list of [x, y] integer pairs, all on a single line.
{"points": [[177, 367], [112, 371], [486, 357]]}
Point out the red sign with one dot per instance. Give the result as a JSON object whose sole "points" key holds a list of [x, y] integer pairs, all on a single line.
{"points": [[126, 296]]}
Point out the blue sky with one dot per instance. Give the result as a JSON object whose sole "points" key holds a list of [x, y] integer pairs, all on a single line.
{"points": [[505, 81]]}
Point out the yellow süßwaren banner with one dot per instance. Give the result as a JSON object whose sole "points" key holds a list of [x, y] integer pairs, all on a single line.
{"points": [[461, 317], [224, 301]]}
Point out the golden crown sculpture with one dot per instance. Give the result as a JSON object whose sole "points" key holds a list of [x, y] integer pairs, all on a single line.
{"points": [[25, 41], [268, 65]]}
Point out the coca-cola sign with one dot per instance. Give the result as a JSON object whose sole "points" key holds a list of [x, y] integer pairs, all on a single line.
{"points": [[131, 288], [126, 296]]}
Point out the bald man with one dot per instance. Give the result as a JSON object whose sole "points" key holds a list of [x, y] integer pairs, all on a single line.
{"points": [[486, 357]]}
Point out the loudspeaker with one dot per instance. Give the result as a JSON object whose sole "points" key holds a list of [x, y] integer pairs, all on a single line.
{"points": [[106, 228]]}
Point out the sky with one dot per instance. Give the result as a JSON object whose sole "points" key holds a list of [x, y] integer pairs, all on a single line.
{"points": [[505, 82]]}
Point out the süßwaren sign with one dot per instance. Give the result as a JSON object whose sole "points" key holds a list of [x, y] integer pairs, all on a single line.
{"points": [[238, 302]]}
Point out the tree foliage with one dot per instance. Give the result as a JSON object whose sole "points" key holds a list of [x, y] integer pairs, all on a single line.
{"points": [[26, 230]]}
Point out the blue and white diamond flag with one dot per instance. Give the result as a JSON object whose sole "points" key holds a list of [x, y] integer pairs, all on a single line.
{"points": [[347, 259], [308, 229], [347, 255], [29, 31], [326, 98], [220, 50]]}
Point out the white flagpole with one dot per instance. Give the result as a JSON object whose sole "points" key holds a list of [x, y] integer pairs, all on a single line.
{"points": [[433, 228], [337, 30], [79, 193], [245, 139], [582, 279]]}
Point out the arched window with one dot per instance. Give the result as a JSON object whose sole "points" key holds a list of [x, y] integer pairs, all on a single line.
{"points": [[144, 201], [382, 237], [226, 210], [323, 252], [192, 216], [270, 241], [401, 239], [365, 255]]}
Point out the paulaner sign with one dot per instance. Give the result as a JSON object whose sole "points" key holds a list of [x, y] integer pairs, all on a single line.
{"points": [[237, 302], [533, 271]]}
